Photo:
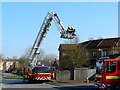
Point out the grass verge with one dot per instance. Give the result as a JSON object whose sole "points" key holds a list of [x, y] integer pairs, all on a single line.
{"points": [[12, 77]]}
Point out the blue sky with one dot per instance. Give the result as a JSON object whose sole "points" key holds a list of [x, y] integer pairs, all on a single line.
{"points": [[0, 27], [21, 23]]}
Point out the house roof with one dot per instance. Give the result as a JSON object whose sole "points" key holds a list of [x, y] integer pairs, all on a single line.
{"points": [[10, 60], [83, 44], [110, 42], [100, 43], [93, 44], [67, 46]]}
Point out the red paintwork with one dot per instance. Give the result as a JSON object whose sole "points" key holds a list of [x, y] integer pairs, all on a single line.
{"points": [[42, 66], [102, 80], [40, 76]]}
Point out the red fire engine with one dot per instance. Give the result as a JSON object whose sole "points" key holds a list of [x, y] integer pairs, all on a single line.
{"points": [[107, 74], [40, 72]]}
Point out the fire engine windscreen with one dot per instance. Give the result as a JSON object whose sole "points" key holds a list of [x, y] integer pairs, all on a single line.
{"points": [[110, 67], [42, 70], [99, 67]]}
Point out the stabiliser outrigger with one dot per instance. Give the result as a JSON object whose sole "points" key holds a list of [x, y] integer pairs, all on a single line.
{"points": [[33, 56]]}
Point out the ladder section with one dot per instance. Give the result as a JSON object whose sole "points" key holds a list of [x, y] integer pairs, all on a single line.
{"points": [[40, 37], [33, 58]]}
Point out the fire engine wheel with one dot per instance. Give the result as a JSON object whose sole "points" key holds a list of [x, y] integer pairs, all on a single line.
{"points": [[116, 86]]}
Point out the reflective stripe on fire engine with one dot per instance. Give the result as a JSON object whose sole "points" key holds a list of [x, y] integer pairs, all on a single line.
{"points": [[98, 76], [112, 77], [43, 78]]}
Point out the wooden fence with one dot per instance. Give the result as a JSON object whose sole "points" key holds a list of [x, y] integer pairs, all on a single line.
{"points": [[76, 74]]}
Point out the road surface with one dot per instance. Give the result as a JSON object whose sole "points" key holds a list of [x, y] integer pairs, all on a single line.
{"points": [[14, 84]]}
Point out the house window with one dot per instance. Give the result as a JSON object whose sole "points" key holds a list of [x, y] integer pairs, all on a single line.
{"points": [[110, 67], [104, 53], [94, 53], [87, 53]]}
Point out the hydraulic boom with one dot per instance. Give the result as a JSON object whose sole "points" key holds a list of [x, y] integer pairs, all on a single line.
{"points": [[42, 34]]}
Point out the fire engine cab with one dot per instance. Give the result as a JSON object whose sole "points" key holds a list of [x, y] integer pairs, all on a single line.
{"points": [[107, 74], [41, 72]]}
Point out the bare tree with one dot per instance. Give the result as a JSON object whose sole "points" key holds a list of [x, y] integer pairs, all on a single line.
{"points": [[14, 57], [48, 59], [116, 49], [26, 55], [75, 56], [26, 52]]}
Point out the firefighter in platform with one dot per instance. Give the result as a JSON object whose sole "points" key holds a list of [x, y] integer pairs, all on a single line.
{"points": [[71, 30]]}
